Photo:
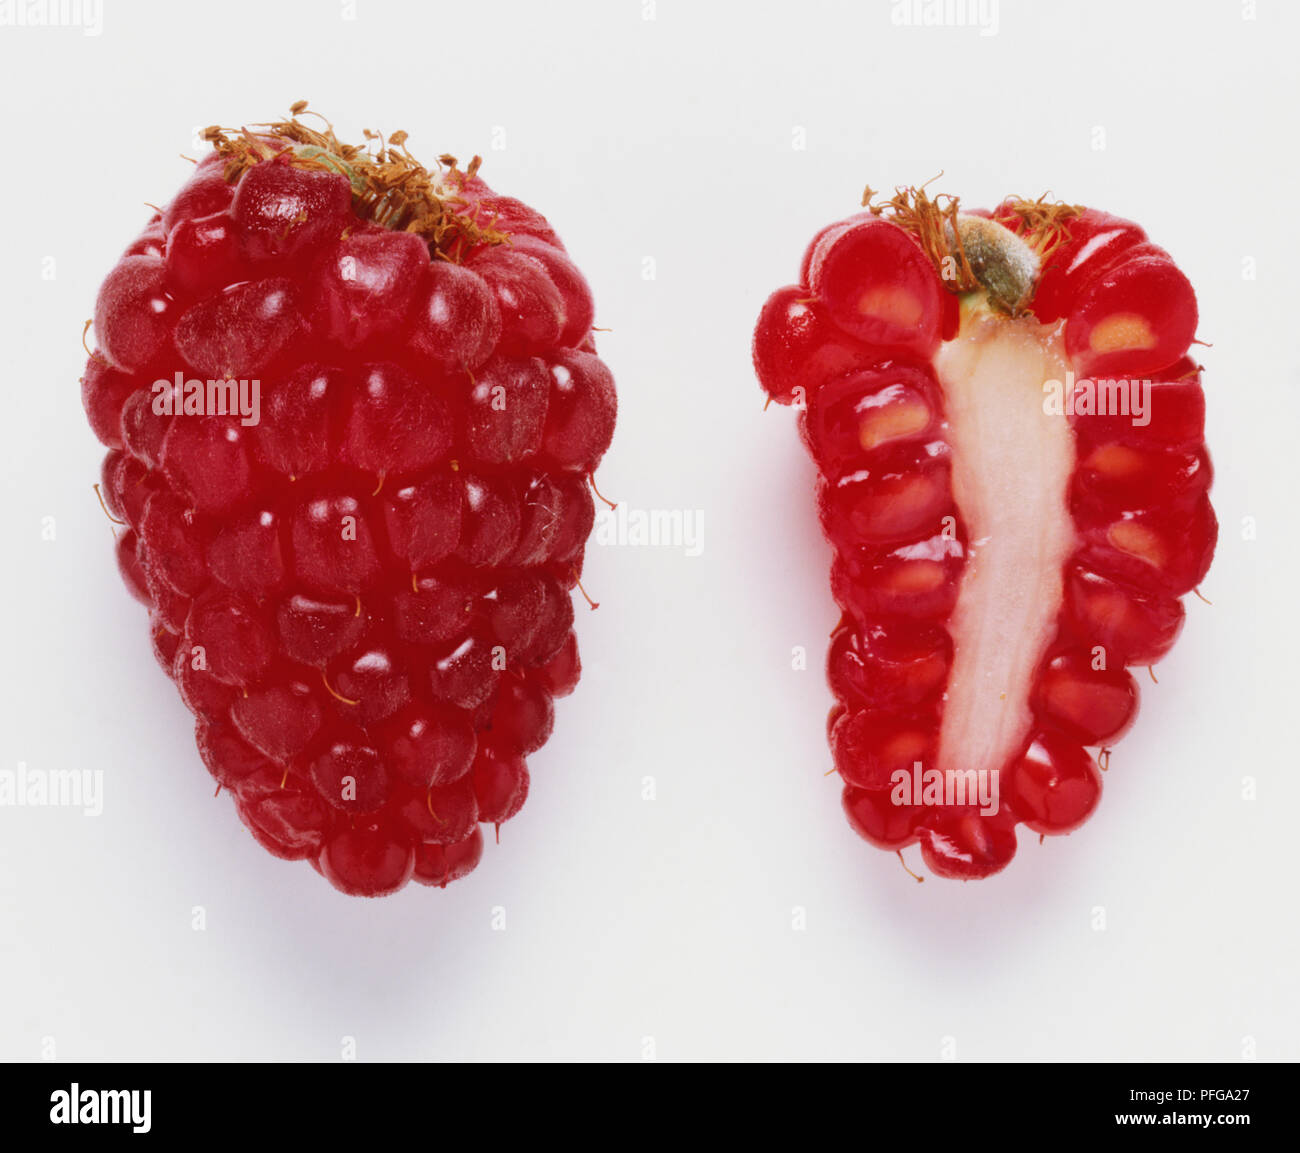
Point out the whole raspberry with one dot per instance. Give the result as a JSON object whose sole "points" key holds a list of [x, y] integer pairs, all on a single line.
{"points": [[352, 406]]}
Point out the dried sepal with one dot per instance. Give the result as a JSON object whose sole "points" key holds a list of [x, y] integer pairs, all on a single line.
{"points": [[1043, 224], [389, 186], [933, 222], [969, 252]]}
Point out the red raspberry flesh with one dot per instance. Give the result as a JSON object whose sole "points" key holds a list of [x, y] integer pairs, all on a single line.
{"points": [[999, 561], [363, 596]]}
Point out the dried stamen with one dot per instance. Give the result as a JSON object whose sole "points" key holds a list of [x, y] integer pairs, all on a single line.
{"points": [[389, 186]]}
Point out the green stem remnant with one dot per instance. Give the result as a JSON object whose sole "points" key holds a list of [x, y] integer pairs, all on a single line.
{"points": [[1003, 264], [974, 253]]}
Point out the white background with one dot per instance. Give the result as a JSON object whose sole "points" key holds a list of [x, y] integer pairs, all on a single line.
{"points": [[670, 139]]}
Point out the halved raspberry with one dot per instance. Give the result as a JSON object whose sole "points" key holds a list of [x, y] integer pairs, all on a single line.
{"points": [[1014, 478], [360, 583]]}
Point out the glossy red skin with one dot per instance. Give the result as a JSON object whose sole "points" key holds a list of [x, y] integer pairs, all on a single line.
{"points": [[1106, 265], [1135, 625], [1139, 501], [363, 595], [1148, 285], [438, 864], [835, 411], [875, 818], [365, 287], [893, 665], [1096, 240], [1177, 414], [870, 749], [203, 253], [575, 293], [966, 845], [797, 348], [870, 252], [1090, 704], [908, 490]]}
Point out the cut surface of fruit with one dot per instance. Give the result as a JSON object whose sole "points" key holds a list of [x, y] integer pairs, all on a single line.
{"points": [[1012, 464], [1013, 476], [359, 581]]}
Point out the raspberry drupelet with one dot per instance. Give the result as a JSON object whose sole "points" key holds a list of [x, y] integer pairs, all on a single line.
{"points": [[1012, 472], [360, 583]]}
